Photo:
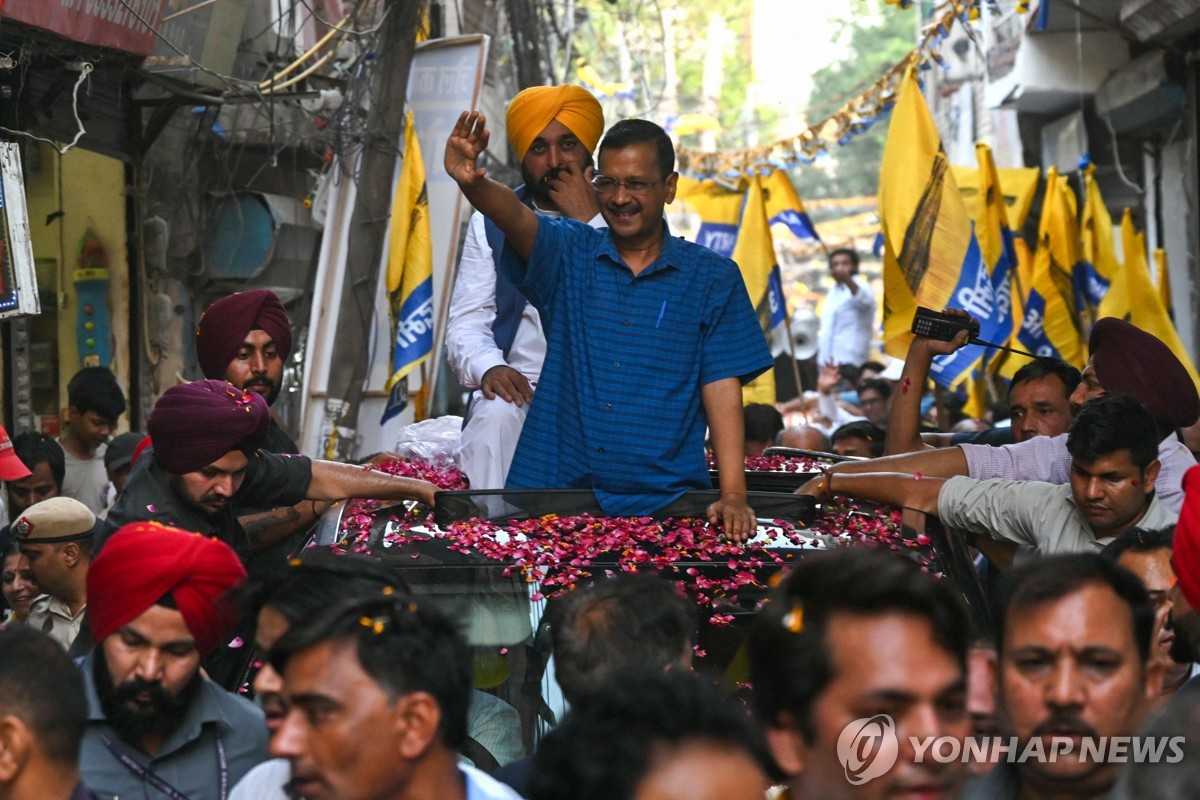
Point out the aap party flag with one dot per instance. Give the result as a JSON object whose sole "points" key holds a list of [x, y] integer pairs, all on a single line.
{"points": [[1133, 297], [719, 208], [409, 273], [1098, 265], [1051, 324], [784, 206], [931, 255], [755, 256]]}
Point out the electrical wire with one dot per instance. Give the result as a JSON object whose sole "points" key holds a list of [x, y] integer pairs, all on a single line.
{"points": [[85, 70]]}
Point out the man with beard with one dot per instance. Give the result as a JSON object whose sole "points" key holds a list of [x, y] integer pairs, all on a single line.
{"points": [[851, 634], [1074, 646], [42, 714], [1185, 594], [1147, 554], [1123, 359], [206, 462], [494, 338], [245, 338], [649, 338], [157, 728]]}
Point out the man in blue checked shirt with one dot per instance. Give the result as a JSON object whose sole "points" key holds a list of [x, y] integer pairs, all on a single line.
{"points": [[650, 338]]}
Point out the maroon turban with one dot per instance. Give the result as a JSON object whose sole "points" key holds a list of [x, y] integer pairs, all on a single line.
{"points": [[1129, 360], [194, 424], [224, 327], [145, 561], [1187, 539]]}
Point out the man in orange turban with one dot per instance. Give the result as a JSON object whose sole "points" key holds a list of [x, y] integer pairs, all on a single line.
{"points": [[494, 340]]}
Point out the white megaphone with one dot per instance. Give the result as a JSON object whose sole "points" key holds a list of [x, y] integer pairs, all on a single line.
{"points": [[804, 333]]}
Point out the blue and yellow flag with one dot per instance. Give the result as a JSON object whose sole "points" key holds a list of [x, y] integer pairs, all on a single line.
{"points": [[931, 255], [409, 273], [719, 207], [1051, 325], [1098, 265], [784, 206], [755, 256]]}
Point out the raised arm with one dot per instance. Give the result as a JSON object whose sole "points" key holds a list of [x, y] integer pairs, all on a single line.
{"points": [[944, 463], [904, 420], [494, 200]]}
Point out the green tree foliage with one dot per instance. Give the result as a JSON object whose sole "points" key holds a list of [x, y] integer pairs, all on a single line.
{"points": [[877, 37]]}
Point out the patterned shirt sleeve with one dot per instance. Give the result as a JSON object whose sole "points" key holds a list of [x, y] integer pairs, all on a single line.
{"points": [[1042, 458]]}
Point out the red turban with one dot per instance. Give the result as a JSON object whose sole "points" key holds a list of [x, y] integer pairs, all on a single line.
{"points": [[224, 327], [1129, 360], [145, 561], [194, 424], [1187, 539]]}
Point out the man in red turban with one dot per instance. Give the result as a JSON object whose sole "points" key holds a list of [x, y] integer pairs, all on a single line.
{"points": [[160, 602], [1185, 594], [494, 338], [244, 339]]}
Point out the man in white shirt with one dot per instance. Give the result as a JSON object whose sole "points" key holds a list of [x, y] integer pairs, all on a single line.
{"points": [[847, 319], [494, 341]]}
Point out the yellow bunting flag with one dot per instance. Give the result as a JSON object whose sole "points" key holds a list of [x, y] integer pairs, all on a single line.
{"points": [[1019, 185], [1162, 279]]}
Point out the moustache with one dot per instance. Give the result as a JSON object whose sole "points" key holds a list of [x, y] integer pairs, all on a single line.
{"points": [[1064, 722], [129, 691], [552, 174]]}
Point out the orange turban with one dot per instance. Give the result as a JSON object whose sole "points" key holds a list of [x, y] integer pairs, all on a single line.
{"points": [[144, 562], [533, 109]]}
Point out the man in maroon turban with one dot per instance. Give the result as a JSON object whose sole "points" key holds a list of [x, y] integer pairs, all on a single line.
{"points": [[160, 602], [205, 463], [244, 339]]}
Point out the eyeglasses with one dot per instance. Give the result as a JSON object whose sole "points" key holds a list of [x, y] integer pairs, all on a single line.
{"points": [[606, 185]]}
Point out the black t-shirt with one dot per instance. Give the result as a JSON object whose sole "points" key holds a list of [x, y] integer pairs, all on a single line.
{"points": [[271, 480]]}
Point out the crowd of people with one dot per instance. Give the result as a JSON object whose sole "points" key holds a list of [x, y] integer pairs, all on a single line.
{"points": [[169, 637]]}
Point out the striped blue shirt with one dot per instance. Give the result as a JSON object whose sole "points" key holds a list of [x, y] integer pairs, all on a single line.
{"points": [[617, 408]]}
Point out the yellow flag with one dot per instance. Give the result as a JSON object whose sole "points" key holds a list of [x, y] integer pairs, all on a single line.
{"points": [[1146, 309], [755, 256], [1099, 265], [931, 257], [1162, 279], [719, 207], [784, 206], [1019, 185], [409, 271], [1051, 324]]}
